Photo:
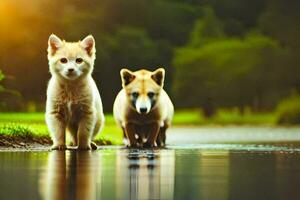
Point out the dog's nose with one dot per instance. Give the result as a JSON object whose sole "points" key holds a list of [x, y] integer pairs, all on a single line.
{"points": [[143, 110], [71, 69]]}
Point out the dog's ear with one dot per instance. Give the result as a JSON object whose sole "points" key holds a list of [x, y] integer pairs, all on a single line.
{"points": [[127, 76], [159, 76], [54, 43], [88, 43]]}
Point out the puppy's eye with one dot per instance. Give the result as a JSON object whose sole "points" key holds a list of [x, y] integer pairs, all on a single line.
{"points": [[151, 94], [79, 60], [63, 60], [135, 94]]}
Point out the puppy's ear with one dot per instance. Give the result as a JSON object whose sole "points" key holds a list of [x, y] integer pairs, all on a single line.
{"points": [[54, 43], [159, 76], [88, 43], [127, 76]]}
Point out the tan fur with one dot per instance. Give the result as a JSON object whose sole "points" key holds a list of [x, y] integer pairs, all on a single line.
{"points": [[73, 100], [70, 175], [143, 129]]}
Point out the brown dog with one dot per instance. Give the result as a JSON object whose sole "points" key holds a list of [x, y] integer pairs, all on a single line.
{"points": [[142, 108]]}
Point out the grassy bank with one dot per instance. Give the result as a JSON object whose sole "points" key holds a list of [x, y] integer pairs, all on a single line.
{"points": [[32, 125]]}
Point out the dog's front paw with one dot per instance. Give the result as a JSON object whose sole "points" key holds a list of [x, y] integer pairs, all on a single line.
{"points": [[148, 145], [59, 147], [84, 147], [134, 145], [160, 144]]}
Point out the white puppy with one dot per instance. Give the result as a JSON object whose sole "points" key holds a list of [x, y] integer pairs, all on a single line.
{"points": [[73, 100]]}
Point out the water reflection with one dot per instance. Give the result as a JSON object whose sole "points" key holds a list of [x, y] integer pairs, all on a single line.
{"points": [[169, 174], [258, 181], [161, 174], [145, 174], [202, 174], [125, 174], [70, 175], [214, 170]]}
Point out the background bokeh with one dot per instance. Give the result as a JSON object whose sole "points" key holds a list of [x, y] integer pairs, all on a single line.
{"points": [[235, 54]]}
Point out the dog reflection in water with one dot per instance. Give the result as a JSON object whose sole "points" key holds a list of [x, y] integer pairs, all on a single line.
{"points": [[70, 175], [145, 174]]}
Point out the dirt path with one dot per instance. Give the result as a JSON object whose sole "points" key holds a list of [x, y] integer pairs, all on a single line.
{"points": [[19, 143], [26, 143]]}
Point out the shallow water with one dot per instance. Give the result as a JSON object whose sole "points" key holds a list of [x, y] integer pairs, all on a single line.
{"points": [[188, 170]]}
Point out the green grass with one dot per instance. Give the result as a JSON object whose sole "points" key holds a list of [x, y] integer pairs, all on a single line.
{"points": [[288, 110], [33, 124], [22, 117], [24, 130], [188, 117], [223, 117]]}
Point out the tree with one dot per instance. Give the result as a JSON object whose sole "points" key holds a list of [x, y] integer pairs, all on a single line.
{"points": [[206, 29], [224, 72], [281, 21]]}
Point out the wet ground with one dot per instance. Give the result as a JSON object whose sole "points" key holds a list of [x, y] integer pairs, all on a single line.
{"points": [[207, 163]]}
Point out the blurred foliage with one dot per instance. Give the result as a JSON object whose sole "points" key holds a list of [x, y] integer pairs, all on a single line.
{"points": [[2, 89], [230, 53], [1, 78], [253, 69], [206, 29], [7, 96], [288, 110], [228, 72]]}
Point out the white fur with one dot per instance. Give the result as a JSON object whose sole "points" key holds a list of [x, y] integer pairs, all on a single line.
{"points": [[73, 100], [142, 102]]}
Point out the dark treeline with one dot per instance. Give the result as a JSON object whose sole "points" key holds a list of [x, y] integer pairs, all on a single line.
{"points": [[231, 53]]}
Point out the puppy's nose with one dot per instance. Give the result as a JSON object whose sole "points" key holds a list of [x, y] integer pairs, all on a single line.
{"points": [[143, 110], [70, 69]]}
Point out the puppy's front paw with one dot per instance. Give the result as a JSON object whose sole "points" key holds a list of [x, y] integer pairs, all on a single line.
{"points": [[72, 144], [94, 146], [84, 147], [59, 147]]}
